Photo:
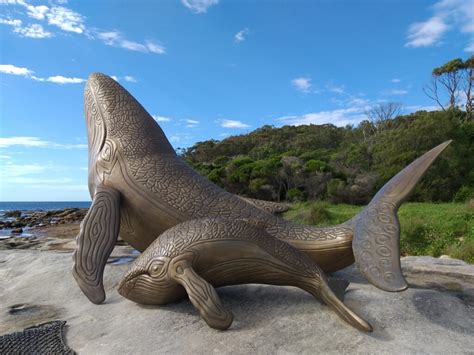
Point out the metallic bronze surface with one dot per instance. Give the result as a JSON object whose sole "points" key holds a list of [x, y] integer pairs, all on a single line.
{"points": [[201, 254], [141, 188]]}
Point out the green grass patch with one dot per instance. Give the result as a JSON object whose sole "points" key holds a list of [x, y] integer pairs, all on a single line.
{"points": [[426, 228]]}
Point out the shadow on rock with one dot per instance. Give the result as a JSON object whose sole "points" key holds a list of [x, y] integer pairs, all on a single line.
{"points": [[445, 310]]}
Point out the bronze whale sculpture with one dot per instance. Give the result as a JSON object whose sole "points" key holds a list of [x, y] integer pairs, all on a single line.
{"points": [[140, 188], [197, 255]]}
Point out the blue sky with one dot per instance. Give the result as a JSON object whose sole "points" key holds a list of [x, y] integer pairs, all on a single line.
{"points": [[206, 69]]}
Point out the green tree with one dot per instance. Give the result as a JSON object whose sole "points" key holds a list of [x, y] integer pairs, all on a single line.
{"points": [[450, 76]]}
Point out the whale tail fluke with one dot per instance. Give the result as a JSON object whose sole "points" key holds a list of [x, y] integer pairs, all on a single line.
{"points": [[377, 230]]}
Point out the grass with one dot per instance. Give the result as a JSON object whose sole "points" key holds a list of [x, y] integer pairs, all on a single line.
{"points": [[426, 228]]}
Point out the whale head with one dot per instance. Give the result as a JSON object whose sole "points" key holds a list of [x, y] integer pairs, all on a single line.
{"points": [[148, 280], [116, 122]]}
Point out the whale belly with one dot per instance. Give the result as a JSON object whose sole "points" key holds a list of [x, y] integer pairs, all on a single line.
{"points": [[234, 262]]}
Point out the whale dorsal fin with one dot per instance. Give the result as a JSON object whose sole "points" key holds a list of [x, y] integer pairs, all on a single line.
{"points": [[267, 206]]}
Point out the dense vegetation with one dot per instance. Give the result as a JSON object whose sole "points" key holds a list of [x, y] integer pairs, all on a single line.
{"points": [[426, 228], [342, 164]]}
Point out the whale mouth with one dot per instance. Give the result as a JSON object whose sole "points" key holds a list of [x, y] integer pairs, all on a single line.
{"points": [[127, 284], [144, 289]]}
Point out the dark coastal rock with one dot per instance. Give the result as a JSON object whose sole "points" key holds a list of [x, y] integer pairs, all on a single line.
{"points": [[13, 214], [17, 231], [43, 218]]}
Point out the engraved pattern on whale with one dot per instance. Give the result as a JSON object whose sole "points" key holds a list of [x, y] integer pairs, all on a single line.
{"points": [[149, 189], [195, 256]]}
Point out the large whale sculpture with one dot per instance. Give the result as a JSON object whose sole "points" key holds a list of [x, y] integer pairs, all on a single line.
{"points": [[140, 188]]}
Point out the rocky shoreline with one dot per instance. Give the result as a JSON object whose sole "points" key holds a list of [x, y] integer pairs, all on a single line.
{"points": [[17, 220], [43, 230]]}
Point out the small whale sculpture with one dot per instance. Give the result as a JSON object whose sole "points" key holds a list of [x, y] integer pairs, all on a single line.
{"points": [[195, 256], [140, 188]]}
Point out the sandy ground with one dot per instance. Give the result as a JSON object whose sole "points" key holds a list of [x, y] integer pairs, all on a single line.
{"points": [[436, 315]]}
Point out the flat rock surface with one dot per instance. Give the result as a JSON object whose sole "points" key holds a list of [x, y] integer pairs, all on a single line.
{"points": [[435, 315]]}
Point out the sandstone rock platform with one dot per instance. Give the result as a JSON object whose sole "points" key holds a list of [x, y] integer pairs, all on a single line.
{"points": [[435, 315]]}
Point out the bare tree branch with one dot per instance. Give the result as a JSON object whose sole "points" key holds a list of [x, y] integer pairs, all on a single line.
{"points": [[381, 115]]}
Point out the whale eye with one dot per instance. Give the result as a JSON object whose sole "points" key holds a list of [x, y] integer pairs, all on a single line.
{"points": [[156, 268]]}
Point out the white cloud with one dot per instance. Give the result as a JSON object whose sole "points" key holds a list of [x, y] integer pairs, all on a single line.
{"points": [[11, 172], [116, 39], [110, 38], [14, 70], [357, 102], [339, 117], [10, 22], [127, 78], [396, 92], [470, 47], [302, 84], [36, 12], [133, 46], [233, 124], [182, 138], [191, 123], [460, 12], [36, 142], [241, 35], [455, 15], [199, 6], [59, 79], [154, 47], [66, 19], [130, 79], [415, 108], [423, 34], [338, 89], [161, 118], [71, 21], [33, 31], [395, 80], [175, 138]]}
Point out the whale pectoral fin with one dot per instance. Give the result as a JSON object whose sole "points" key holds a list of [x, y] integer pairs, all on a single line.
{"points": [[377, 230], [203, 296], [95, 241], [329, 297]]}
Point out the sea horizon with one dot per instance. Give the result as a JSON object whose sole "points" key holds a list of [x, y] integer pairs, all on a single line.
{"points": [[6, 206]]}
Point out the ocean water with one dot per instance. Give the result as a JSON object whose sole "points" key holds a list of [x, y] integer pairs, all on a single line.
{"points": [[42, 206]]}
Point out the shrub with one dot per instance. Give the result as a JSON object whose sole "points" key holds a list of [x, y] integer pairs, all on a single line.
{"points": [[465, 193], [319, 213], [315, 165], [294, 195]]}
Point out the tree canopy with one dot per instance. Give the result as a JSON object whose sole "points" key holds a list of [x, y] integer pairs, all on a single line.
{"points": [[341, 164]]}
